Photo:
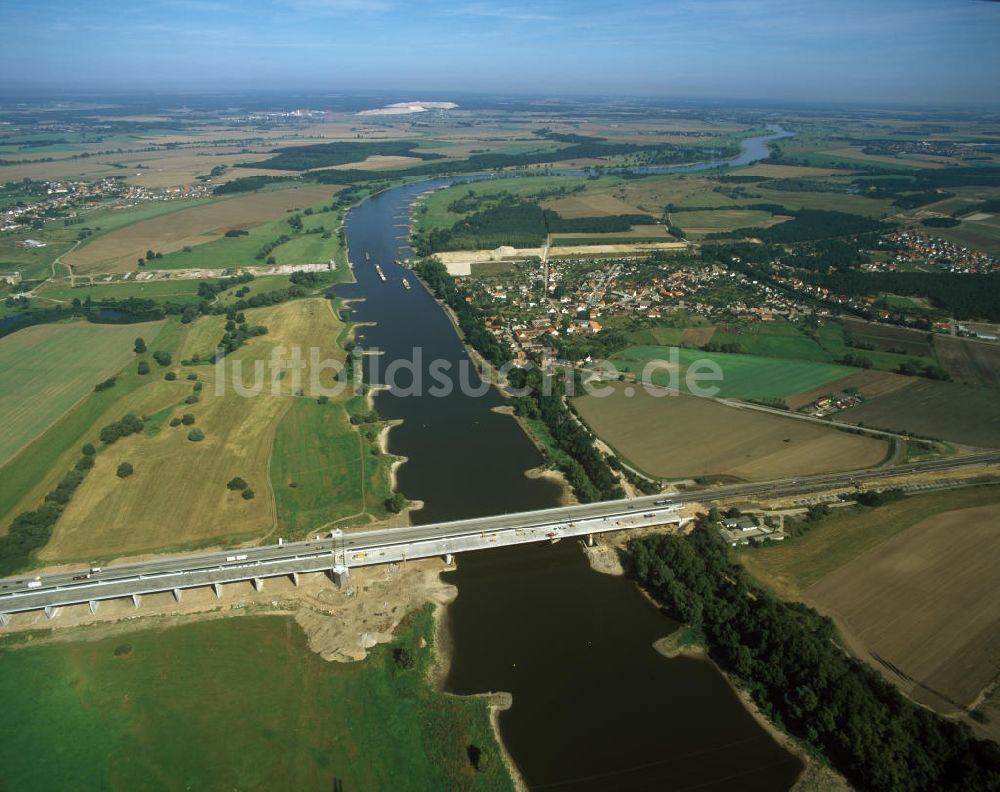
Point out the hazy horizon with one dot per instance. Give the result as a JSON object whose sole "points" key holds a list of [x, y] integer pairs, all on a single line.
{"points": [[917, 53]]}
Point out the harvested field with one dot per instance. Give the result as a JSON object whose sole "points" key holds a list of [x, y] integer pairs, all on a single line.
{"points": [[48, 368], [888, 338], [870, 384], [856, 153], [592, 205], [925, 603], [712, 221], [969, 361], [636, 232], [118, 250], [787, 171], [177, 495], [943, 410], [376, 163], [682, 436]]}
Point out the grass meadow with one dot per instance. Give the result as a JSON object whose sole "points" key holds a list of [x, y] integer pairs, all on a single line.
{"points": [[48, 368], [130, 713]]}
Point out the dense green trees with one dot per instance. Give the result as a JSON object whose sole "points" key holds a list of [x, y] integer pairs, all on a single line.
{"points": [[128, 424], [139, 346], [787, 657], [964, 296], [587, 470], [518, 223], [325, 155], [124, 470], [31, 530], [807, 225]]}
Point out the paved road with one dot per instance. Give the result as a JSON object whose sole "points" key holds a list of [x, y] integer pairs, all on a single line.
{"points": [[182, 571]]}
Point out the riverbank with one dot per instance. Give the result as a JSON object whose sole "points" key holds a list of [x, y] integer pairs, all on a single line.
{"points": [[496, 701]]}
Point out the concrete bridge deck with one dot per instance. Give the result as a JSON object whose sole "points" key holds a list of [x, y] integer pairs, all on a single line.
{"points": [[337, 553]]}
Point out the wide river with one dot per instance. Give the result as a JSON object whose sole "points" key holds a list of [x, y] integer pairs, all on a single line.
{"points": [[595, 707]]}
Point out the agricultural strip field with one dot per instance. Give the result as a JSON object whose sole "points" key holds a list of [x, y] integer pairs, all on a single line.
{"points": [[684, 436], [943, 410], [48, 368], [926, 601], [177, 495], [743, 376], [131, 711], [969, 361], [117, 251]]}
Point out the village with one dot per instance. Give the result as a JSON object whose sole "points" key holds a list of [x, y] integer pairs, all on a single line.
{"points": [[68, 199]]}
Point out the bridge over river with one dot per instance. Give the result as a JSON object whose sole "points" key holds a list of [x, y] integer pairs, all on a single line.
{"points": [[337, 552]]}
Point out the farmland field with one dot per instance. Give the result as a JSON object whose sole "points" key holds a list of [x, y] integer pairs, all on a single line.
{"points": [[590, 205], [700, 223], [888, 338], [926, 602], [869, 383], [131, 713], [117, 251], [178, 291], [944, 410], [147, 510], [982, 233], [317, 468], [791, 567], [48, 368], [968, 361], [743, 376], [683, 436]]}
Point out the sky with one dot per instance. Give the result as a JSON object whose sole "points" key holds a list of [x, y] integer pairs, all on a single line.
{"points": [[922, 52]]}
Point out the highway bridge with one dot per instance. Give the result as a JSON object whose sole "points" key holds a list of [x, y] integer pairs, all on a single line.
{"points": [[336, 553]]}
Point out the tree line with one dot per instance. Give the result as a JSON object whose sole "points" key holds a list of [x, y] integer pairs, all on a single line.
{"points": [[787, 657]]}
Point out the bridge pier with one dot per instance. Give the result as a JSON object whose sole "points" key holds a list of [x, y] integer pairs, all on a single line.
{"points": [[340, 575], [590, 540], [4, 619], [51, 611], [177, 594], [449, 558], [135, 600], [93, 606], [295, 578], [217, 588], [258, 584]]}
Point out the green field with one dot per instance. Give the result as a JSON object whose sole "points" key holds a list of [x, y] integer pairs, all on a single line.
{"points": [[33, 471], [831, 336], [319, 452], [129, 712], [48, 368], [178, 291], [744, 376], [779, 339], [242, 250]]}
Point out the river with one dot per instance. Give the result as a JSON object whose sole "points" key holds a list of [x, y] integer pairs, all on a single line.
{"points": [[595, 707]]}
